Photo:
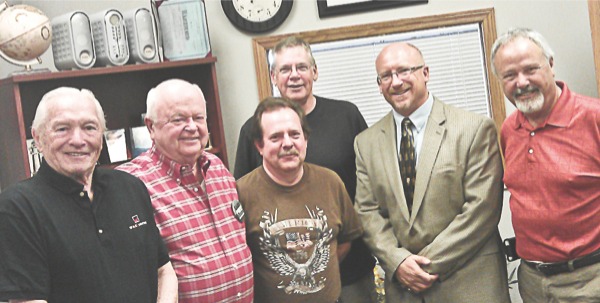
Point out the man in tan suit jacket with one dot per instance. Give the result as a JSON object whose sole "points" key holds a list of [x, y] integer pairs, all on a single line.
{"points": [[446, 247]]}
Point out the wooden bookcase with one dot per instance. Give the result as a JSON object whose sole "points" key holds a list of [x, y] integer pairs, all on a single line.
{"points": [[121, 91]]}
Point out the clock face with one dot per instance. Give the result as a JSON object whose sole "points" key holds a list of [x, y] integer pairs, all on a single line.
{"points": [[257, 10], [257, 15]]}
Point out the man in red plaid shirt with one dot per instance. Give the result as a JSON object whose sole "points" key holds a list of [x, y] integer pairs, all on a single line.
{"points": [[196, 205]]}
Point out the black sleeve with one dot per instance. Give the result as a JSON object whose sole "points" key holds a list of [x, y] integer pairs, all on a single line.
{"points": [[247, 157], [361, 124], [162, 252], [161, 247]]}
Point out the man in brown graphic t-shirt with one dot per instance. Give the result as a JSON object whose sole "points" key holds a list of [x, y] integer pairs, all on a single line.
{"points": [[299, 218]]}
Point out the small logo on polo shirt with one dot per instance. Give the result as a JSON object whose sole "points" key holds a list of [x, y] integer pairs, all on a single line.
{"points": [[137, 223]]}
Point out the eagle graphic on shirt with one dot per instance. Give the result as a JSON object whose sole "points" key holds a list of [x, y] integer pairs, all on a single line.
{"points": [[297, 247]]}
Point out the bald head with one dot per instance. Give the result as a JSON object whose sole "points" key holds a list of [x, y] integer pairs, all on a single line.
{"points": [[402, 77], [166, 91], [398, 47]]}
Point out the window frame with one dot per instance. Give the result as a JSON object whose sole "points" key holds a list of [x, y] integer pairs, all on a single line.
{"points": [[484, 17]]}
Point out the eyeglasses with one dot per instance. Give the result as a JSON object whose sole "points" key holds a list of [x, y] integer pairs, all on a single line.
{"points": [[179, 120], [528, 71], [401, 73], [286, 70]]}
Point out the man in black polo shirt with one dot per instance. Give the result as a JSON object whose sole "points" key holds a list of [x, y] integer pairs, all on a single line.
{"points": [[73, 233]]}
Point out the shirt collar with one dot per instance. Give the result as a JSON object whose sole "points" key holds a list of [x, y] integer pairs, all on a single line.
{"points": [[418, 117], [561, 113], [64, 183], [174, 169]]}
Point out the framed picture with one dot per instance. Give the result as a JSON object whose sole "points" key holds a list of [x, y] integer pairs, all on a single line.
{"points": [[35, 157], [140, 140], [116, 144], [329, 8], [183, 29]]}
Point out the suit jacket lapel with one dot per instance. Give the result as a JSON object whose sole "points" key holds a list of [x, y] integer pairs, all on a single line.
{"points": [[389, 161], [432, 141]]}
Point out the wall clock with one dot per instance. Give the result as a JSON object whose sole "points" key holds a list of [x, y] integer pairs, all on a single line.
{"points": [[257, 16]]}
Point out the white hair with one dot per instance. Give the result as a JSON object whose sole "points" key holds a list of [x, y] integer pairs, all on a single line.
{"points": [[41, 113], [158, 94], [526, 33]]}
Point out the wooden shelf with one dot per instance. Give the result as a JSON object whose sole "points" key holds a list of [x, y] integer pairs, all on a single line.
{"points": [[122, 92]]}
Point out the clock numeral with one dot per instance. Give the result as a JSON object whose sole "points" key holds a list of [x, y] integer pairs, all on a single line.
{"points": [[257, 15]]}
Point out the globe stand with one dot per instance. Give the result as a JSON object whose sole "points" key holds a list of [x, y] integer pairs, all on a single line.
{"points": [[29, 71], [27, 65]]}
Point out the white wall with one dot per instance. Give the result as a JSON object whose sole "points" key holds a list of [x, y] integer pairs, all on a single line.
{"points": [[565, 23]]}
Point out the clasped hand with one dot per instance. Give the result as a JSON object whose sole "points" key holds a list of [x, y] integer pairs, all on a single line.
{"points": [[411, 274]]}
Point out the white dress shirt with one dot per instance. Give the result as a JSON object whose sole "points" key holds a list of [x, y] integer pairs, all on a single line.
{"points": [[419, 120]]}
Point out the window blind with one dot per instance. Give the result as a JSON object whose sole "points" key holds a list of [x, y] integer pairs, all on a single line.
{"points": [[455, 56]]}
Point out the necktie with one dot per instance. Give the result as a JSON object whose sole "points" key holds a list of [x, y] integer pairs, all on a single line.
{"points": [[408, 161]]}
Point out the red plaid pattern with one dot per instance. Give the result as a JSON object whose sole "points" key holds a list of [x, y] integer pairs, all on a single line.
{"points": [[207, 244]]}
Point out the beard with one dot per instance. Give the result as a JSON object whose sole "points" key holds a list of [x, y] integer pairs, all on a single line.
{"points": [[531, 105]]}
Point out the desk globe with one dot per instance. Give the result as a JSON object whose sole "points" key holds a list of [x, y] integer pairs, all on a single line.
{"points": [[25, 34]]}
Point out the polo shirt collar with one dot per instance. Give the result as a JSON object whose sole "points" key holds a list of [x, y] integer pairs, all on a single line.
{"points": [[63, 183], [174, 169], [561, 113]]}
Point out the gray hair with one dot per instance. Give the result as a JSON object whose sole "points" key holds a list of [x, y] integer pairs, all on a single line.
{"points": [[156, 94], [289, 42], [526, 33], [41, 113]]}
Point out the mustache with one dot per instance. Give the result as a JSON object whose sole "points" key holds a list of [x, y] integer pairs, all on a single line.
{"points": [[522, 91], [291, 152]]}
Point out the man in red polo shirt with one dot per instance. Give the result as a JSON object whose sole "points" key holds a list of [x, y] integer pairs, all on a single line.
{"points": [[552, 151]]}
